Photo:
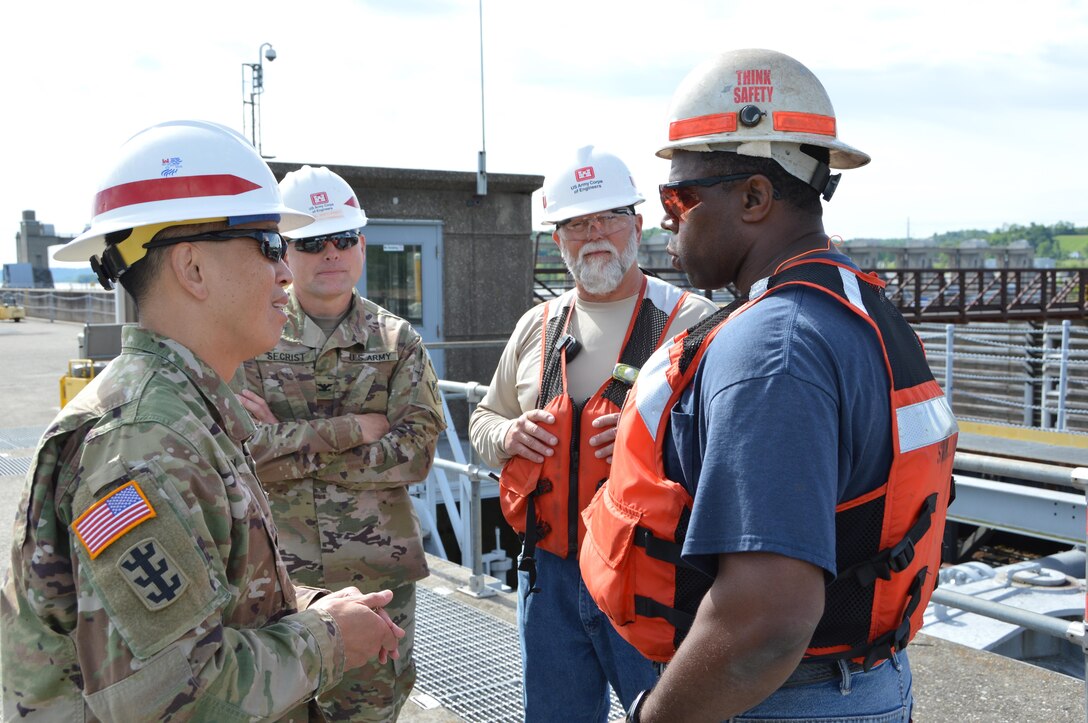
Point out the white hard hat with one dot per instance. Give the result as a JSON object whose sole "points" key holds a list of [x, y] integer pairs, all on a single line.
{"points": [[325, 196], [176, 173], [596, 181], [759, 103]]}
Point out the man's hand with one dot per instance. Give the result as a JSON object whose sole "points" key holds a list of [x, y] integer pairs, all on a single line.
{"points": [[526, 438], [606, 440], [367, 629], [373, 426], [258, 407]]}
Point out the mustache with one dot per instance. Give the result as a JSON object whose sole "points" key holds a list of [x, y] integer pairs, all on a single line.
{"points": [[596, 246]]}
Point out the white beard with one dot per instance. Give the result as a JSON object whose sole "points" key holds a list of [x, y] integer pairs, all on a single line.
{"points": [[599, 277]]}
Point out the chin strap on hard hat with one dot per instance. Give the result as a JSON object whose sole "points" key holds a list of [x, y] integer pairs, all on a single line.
{"points": [[125, 248], [824, 181], [104, 270]]}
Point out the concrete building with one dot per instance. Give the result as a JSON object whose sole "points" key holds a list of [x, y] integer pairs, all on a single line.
{"points": [[32, 244]]}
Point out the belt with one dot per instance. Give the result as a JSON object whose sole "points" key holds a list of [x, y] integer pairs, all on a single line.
{"points": [[819, 672]]}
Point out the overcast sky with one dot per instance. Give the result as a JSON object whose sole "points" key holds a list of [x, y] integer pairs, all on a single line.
{"points": [[974, 113]]}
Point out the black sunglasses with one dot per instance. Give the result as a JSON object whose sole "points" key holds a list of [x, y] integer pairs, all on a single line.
{"points": [[316, 244], [271, 243]]}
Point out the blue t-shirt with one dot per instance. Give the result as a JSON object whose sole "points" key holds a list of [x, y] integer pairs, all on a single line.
{"points": [[787, 416]]}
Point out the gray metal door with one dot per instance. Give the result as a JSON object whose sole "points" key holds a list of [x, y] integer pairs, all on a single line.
{"points": [[404, 275]]}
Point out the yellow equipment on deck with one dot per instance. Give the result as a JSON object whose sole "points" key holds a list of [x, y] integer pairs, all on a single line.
{"points": [[98, 344], [80, 373], [10, 310]]}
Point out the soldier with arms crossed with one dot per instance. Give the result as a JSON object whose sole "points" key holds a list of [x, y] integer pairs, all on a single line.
{"points": [[349, 416]]}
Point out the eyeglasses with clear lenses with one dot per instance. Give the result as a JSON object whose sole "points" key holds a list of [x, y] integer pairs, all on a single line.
{"points": [[271, 243], [608, 222], [679, 197], [316, 244]]}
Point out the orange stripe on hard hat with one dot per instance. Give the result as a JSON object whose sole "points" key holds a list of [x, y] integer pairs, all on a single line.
{"points": [[702, 125], [785, 120], [162, 189]]}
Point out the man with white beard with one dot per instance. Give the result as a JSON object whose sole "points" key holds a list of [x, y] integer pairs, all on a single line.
{"points": [[549, 419]]}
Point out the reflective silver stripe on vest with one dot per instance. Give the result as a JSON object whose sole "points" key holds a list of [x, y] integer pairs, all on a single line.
{"points": [[925, 423], [652, 390], [853, 291]]}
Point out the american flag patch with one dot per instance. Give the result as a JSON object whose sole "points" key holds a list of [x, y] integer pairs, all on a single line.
{"points": [[111, 517]]}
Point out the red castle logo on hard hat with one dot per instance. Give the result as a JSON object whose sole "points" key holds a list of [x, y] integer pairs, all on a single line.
{"points": [[584, 174], [170, 166], [319, 199]]}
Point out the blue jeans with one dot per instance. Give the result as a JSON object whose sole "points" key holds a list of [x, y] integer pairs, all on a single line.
{"points": [[570, 653], [883, 695]]}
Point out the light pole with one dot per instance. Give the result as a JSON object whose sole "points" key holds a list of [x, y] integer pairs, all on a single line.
{"points": [[254, 90]]}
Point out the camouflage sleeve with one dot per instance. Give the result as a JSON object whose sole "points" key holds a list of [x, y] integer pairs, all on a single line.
{"points": [[405, 454], [402, 457], [273, 445], [173, 623], [273, 441]]}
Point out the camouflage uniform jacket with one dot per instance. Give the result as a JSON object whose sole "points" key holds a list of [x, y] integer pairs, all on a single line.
{"points": [[342, 505], [182, 609]]}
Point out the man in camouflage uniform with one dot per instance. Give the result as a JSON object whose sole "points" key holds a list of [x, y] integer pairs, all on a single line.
{"points": [[350, 416], [145, 582]]}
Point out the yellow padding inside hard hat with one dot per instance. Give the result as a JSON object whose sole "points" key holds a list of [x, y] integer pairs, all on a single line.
{"points": [[132, 248]]}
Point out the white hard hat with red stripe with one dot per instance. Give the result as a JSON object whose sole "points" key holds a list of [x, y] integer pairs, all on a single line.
{"points": [[594, 181], [175, 173], [325, 196], [760, 103]]}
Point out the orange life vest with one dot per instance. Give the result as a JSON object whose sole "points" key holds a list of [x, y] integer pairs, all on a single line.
{"points": [[542, 500], [888, 541]]}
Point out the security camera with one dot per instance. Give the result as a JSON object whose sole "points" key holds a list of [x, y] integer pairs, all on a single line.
{"points": [[270, 54]]}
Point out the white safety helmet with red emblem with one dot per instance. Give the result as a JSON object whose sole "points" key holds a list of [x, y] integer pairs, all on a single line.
{"points": [[596, 181], [176, 173], [760, 103], [325, 196]]}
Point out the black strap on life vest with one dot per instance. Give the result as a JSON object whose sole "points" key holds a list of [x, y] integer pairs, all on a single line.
{"points": [[527, 557], [897, 557], [666, 551], [882, 647], [526, 561], [650, 608], [657, 548]]}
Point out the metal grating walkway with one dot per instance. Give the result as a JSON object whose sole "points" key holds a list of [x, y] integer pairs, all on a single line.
{"points": [[470, 661], [20, 437], [13, 466]]}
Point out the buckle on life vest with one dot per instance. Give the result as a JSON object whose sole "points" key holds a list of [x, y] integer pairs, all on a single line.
{"points": [[527, 563], [570, 345], [897, 557], [533, 531], [900, 556]]}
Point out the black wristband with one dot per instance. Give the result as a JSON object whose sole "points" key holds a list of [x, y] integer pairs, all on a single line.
{"points": [[636, 707]]}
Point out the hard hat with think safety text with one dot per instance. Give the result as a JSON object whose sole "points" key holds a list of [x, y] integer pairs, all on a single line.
{"points": [[176, 173], [761, 103], [325, 196], [596, 181]]}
